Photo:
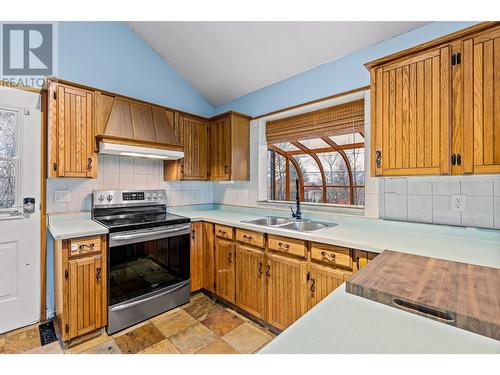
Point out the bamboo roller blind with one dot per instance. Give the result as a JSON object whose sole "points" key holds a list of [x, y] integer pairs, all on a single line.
{"points": [[336, 120]]}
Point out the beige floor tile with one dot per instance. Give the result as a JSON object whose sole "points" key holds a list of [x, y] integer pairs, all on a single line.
{"points": [[242, 317], [52, 348], [193, 338], [107, 347], [247, 338], [163, 347], [172, 323], [218, 347], [222, 322], [22, 340], [129, 329], [89, 344], [201, 308], [139, 339]]}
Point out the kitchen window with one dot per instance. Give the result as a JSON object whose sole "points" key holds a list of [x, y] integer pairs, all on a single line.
{"points": [[324, 150]]}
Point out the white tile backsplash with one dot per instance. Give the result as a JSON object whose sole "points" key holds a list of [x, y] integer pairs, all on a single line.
{"points": [[420, 208], [125, 173], [478, 212], [496, 212], [417, 187], [442, 187], [442, 213], [477, 187]]}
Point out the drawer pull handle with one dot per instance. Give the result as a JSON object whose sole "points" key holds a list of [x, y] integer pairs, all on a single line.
{"points": [[247, 237], [223, 232], [283, 245], [325, 255], [89, 246]]}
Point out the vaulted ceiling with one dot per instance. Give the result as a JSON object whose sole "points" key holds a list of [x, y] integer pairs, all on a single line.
{"points": [[225, 60]]}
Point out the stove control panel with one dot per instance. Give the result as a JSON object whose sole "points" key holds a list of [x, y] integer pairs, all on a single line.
{"points": [[128, 198]]}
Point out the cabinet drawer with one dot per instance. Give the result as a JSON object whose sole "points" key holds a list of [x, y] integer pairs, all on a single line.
{"points": [[339, 256], [224, 231], [250, 237], [287, 245], [80, 246]]}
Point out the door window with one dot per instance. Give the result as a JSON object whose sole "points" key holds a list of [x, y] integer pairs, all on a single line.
{"points": [[9, 158]]}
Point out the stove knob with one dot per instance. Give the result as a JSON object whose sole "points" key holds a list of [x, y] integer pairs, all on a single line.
{"points": [[160, 196], [109, 197], [155, 196], [148, 196], [100, 197]]}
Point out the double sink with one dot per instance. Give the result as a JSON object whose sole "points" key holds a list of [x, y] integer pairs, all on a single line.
{"points": [[306, 226]]}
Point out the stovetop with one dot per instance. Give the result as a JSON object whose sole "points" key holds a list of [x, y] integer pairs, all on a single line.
{"points": [[126, 210]]}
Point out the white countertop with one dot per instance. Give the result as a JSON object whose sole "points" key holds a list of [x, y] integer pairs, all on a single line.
{"points": [[64, 226], [468, 245], [345, 323]]}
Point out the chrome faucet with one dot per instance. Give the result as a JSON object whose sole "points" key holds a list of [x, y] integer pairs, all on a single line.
{"points": [[298, 212]]}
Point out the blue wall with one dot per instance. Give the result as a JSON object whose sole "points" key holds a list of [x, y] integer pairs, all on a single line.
{"points": [[110, 56], [335, 77]]}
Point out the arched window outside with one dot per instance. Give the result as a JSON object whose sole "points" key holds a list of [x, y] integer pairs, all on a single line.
{"points": [[330, 170]]}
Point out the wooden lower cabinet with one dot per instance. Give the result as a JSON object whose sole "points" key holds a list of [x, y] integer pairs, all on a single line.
{"points": [[224, 269], [80, 287], [286, 290], [322, 281], [208, 279], [196, 256], [250, 280]]}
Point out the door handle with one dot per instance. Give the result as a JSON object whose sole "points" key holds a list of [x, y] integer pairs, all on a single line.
{"points": [[313, 285], [268, 271], [230, 257], [260, 268], [98, 273], [89, 163]]}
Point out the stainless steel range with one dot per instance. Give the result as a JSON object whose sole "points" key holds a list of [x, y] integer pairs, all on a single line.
{"points": [[148, 255]]}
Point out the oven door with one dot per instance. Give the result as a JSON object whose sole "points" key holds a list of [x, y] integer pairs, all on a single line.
{"points": [[148, 273]]}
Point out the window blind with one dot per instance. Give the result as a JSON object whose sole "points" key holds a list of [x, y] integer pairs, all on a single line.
{"points": [[336, 120]]}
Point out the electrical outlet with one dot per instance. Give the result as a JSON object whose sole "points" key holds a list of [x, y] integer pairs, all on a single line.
{"points": [[61, 196], [458, 203]]}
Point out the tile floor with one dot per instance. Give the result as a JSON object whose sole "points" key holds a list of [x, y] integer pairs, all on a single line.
{"points": [[202, 326]]}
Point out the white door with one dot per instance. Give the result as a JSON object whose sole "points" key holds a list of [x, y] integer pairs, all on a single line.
{"points": [[20, 148]]}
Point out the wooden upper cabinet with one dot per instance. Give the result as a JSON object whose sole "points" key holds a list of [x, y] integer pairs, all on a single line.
{"points": [[71, 132], [220, 149], [250, 280], [411, 114], [481, 102], [230, 147], [194, 139]]}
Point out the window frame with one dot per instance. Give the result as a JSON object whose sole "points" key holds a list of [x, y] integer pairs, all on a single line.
{"points": [[273, 149]]}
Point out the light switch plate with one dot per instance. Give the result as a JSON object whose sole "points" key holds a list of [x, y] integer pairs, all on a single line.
{"points": [[61, 196], [458, 203]]}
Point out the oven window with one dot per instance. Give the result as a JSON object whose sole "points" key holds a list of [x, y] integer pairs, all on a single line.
{"points": [[140, 268]]}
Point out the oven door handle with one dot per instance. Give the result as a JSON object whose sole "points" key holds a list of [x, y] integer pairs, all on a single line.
{"points": [[148, 234], [141, 301]]}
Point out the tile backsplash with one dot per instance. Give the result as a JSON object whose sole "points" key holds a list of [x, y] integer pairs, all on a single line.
{"points": [[429, 200], [121, 173]]}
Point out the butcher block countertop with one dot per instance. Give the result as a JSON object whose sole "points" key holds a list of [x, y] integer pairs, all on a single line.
{"points": [[459, 294]]}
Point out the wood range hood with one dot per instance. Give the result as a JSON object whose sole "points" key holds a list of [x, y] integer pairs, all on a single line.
{"points": [[134, 128]]}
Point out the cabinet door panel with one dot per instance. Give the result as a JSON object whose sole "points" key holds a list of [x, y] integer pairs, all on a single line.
{"points": [[196, 256], [224, 269], [412, 106], [220, 149], [75, 123], [322, 282], [286, 285], [481, 68], [85, 295], [250, 280], [194, 139], [208, 257]]}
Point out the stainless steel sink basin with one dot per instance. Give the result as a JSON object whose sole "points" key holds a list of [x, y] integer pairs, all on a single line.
{"points": [[306, 226], [270, 221]]}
